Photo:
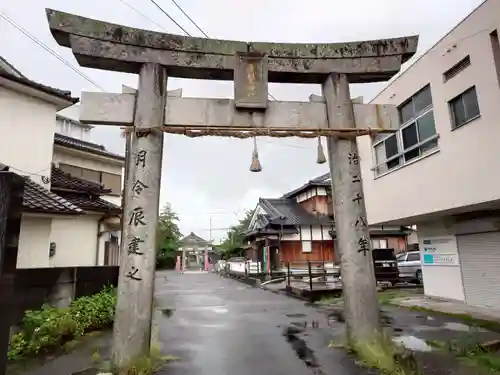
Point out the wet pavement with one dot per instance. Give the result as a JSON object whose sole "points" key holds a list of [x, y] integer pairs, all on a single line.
{"points": [[215, 325], [221, 326]]}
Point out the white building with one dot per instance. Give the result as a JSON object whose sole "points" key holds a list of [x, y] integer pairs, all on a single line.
{"points": [[65, 222], [440, 170], [75, 154]]}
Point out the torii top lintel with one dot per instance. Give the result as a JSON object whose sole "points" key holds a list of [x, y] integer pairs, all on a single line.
{"points": [[108, 46]]}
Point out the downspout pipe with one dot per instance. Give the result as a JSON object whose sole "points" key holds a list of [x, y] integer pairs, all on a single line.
{"points": [[98, 242]]}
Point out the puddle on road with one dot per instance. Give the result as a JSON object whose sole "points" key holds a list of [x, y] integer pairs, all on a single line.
{"points": [[413, 343], [296, 315], [301, 349], [89, 371], [167, 312], [453, 326], [219, 310], [336, 316]]}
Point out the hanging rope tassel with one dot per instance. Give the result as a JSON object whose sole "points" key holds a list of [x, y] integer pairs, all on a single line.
{"points": [[255, 166], [321, 158]]}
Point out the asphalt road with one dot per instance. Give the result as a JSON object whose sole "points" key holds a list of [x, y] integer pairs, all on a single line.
{"points": [[220, 326]]}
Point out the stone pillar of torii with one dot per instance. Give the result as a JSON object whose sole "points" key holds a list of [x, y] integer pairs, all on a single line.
{"points": [[150, 111]]}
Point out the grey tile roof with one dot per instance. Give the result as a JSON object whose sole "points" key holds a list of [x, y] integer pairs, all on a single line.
{"points": [[89, 202], [8, 71], [289, 212], [193, 238], [320, 181], [38, 199], [62, 180], [77, 144]]}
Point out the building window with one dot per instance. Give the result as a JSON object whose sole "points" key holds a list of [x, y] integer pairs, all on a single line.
{"points": [[91, 175], [113, 182], [416, 136], [380, 244], [464, 108], [306, 246]]}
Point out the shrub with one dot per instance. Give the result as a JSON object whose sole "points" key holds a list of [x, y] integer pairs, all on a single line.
{"points": [[50, 327]]}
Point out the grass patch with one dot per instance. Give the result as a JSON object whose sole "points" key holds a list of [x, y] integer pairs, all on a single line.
{"points": [[330, 300], [385, 355], [387, 297], [473, 355], [381, 353], [143, 365], [490, 325], [483, 359]]}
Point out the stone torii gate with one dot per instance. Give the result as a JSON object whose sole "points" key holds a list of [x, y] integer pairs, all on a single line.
{"points": [[148, 113]]}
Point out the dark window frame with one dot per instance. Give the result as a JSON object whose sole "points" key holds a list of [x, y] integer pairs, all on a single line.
{"points": [[459, 99], [412, 113]]}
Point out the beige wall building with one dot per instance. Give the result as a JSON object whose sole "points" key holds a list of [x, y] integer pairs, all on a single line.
{"points": [[71, 215], [440, 170]]}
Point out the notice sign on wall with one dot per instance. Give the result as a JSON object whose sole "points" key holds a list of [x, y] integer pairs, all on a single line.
{"points": [[440, 251]]}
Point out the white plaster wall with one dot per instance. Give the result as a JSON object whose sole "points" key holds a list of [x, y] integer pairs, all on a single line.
{"points": [[27, 126], [89, 161], [413, 238], [441, 281], [461, 173], [72, 130], [313, 192], [34, 241], [310, 234], [76, 241]]}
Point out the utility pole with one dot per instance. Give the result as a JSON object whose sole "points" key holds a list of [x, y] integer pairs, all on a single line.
{"points": [[361, 307], [210, 241]]}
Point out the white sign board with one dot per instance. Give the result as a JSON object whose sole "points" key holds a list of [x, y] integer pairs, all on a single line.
{"points": [[439, 251]]}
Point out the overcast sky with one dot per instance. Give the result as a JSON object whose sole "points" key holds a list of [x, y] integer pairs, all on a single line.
{"points": [[209, 177]]}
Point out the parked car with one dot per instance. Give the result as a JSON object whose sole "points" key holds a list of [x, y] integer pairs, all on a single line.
{"points": [[386, 269], [410, 267]]}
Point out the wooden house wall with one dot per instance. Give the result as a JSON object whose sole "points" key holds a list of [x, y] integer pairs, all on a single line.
{"points": [[321, 204], [291, 251]]}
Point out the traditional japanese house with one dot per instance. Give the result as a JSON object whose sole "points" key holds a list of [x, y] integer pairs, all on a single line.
{"points": [[300, 226]]}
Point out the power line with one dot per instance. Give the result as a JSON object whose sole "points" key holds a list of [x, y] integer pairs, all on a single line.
{"points": [[80, 73], [142, 14], [49, 50], [194, 23], [189, 18], [170, 17]]}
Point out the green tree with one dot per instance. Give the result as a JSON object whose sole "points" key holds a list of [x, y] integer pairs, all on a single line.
{"points": [[234, 238], [167, 237]]}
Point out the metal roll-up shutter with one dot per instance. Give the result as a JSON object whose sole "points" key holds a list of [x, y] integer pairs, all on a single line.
{"points": [[480, 263]]}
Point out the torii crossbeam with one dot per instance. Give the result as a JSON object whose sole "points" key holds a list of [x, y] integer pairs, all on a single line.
{"points": [[153, 55]]}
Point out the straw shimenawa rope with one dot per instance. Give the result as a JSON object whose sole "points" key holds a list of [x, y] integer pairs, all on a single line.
{"points": [[255, 166], [249, 132], [320, 158]]}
